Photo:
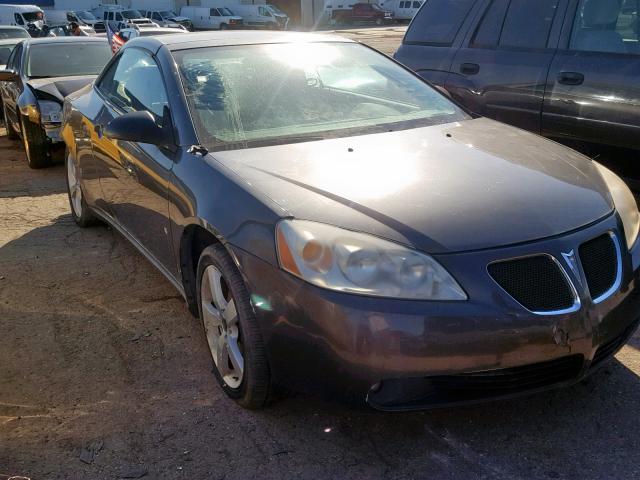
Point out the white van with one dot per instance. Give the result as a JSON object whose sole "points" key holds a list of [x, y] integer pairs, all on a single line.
{"points": [[264, 16], [22, 15], [402, 9], [208, 18]]}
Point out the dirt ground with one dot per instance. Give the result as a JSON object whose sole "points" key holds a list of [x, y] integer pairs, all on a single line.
{"points": [[105, 375]]}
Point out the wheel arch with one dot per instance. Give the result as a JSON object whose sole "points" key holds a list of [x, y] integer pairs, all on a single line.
{"points": [[194, 239]]}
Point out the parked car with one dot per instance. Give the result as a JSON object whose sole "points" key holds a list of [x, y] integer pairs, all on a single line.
{"points": [[214, 18], [65, 30], [261, 16], [130, 33], [11, 32], [115, 13], [338, 224], [362, 12], [168, 18], [22, 16], [89, 19], [6, 47], [39, 74], [402, 9], [568, 70]]}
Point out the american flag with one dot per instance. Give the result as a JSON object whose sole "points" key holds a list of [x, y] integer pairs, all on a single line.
{"points": [[115, 40]]}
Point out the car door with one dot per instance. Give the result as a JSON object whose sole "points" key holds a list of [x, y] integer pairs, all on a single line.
{"points": [[135, 176], [433, 37], [214, 18], [593, 91], [500, 71]]}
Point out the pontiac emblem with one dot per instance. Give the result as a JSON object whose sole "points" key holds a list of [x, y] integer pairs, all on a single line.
{"points": [[571, 260]]}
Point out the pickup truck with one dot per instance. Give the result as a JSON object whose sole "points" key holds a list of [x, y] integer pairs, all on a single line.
{"points": [[362, 12]]}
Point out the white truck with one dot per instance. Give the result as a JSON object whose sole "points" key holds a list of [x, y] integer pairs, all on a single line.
{"points": [[22, 16], [402, 9], [162, 12], [260, 16], [212, 18]]}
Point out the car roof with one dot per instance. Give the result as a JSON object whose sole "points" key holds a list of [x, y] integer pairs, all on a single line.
{"points": [[46, 40], [230, 37], [11, 27]]}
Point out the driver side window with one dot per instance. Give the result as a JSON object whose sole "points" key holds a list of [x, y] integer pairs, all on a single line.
{"points": [[134, 83], [18, 18]]}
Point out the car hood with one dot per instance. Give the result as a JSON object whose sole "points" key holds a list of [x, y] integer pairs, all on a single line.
{"points": [[60, 87], [180, 18], [456, 187]]}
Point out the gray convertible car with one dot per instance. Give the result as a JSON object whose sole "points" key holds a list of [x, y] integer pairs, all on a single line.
{"points": [[338, 225]]}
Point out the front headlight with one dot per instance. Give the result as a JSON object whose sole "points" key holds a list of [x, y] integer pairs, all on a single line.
{"points": [[347, 261], [624, 202], [50, 112]]}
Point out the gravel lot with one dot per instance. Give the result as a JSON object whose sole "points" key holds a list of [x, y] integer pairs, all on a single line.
{"points": [[104, 375]]}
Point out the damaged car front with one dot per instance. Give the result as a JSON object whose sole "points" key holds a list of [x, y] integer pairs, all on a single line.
{"points": [[39, 74]]}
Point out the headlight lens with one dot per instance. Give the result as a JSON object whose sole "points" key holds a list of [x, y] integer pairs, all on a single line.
{"points": [[624, 202], [50, 112], [347, 261]]}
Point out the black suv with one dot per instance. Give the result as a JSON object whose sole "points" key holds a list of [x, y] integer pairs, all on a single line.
{"points": [[567, 69]]}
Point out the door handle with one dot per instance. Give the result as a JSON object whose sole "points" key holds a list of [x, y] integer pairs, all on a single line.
{"points": [[570, 78], [469, 68]]}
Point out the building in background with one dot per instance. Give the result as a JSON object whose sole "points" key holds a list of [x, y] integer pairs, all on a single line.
{"points": [[302, 13]]}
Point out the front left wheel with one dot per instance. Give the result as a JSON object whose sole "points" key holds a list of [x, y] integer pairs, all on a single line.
{"points": [[79, 209], [234, 339], [35, 144]]}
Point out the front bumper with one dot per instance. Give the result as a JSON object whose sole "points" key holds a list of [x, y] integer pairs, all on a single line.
{"points": [[399, 354]]}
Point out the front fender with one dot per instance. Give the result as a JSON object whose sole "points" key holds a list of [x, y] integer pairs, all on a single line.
{"points": [[27, 104]]}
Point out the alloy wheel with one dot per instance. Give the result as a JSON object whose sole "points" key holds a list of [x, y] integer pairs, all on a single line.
{"points": [[220, 318], [75, 192]]}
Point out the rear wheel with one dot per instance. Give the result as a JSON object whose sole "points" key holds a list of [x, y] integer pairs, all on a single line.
{"points": [[79, 209], [35, 144], [11, 133], [234, 340]]}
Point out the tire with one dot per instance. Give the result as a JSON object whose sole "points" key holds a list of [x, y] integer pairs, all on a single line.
{"points": [[35, 144], [231, 330], [11, 133], [223, 26], [80, 211], [379, 21]]}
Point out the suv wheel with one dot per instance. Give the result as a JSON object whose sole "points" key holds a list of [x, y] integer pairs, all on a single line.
{"points": [[234, 340]]}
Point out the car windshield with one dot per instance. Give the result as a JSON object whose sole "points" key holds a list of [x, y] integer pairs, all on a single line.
{"points": [[67, 59], [32, 16], [5, 51], [254, 95], [13, 33], [83, 15], [375, 7], [168, 14], [132, 14], [275, 9]]}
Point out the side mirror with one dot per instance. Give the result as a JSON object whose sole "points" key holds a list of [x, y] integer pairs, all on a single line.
{"points": [[139, 127], [8, 76]]}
